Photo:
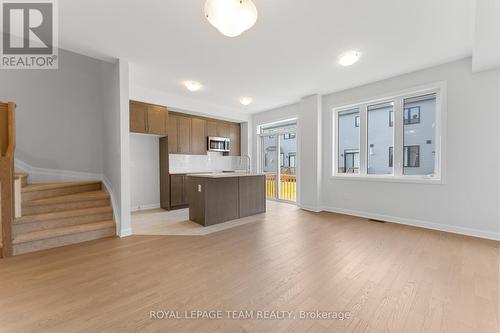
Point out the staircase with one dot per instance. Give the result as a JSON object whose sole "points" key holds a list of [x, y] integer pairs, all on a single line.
{"points": [[58, 214]]}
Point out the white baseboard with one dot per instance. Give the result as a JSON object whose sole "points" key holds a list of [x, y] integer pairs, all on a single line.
{"points": [[44, 175], [310, 208], [125, 232], [415, 223], [145, 207]]}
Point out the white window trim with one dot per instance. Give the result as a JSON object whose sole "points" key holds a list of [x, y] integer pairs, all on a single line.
{"points": [[439, 89]]}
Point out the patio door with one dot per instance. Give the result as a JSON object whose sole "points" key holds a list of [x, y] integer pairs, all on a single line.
{"points": [[279, 162]]}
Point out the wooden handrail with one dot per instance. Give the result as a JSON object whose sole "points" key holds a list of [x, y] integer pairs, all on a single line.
{"points": [[7, 149]]}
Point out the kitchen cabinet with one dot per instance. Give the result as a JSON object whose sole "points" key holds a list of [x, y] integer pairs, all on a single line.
{"points": [[235, 136], [179, 134], [157, 119], [184, 135], [222, 130], [198, 136], [148, 118], [173, 134], [138, 117], [211, 128], [178, 192]]}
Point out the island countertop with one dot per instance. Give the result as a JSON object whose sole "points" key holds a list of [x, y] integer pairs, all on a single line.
{"points": [[225, 175]]}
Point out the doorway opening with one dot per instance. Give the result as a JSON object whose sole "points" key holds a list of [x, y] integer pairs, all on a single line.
{"points": [[279, 160]]}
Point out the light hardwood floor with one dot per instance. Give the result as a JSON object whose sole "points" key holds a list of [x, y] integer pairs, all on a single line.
{"points": [[176, 223], [390, 277]]}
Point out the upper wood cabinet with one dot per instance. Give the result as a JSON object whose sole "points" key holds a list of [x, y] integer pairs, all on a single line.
{"points": [[173, 134], [198, 136], [222, 129], [148, 118], [235, 136], [187, 134], [138, 117], [184, 135], [157, 119], [211, 128]]}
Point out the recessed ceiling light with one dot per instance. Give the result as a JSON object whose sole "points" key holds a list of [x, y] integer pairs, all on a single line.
{"points": [[193, 85], [348, 58], [246, 100]]}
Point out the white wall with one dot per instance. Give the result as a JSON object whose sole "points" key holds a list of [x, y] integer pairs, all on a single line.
{"points": [[124, 122], [111, 144], [60, 112], [468, 202], [144, 171]]}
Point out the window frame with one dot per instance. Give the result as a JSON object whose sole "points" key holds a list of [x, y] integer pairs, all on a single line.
{"points": [[439, 89]]}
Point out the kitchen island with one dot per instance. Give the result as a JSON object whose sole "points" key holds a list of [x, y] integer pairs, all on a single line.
{"points": [[219, 197]]}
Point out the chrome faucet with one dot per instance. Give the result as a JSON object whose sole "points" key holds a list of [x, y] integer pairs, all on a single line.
{"points": [[248, 167]]}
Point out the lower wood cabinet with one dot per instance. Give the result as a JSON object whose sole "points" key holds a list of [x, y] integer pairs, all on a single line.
{"points": [[178, 191]]}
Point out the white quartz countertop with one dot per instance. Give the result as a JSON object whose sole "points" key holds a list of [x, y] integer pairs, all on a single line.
{"points": [[225, 175]]}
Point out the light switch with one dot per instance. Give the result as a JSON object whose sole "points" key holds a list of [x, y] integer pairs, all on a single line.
{"points": [[199, 187]]}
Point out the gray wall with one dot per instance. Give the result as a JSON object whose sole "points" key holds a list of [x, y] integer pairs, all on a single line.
{"points": [[59, 113], [469, 200]]}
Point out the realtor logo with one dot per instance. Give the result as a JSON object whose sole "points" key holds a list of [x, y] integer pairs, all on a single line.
{"points": [[29, 34]]}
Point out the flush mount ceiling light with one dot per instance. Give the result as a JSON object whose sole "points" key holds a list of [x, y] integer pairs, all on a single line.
{"points": [[246, 100], [231, 17], [348, 58], [192, 85]]}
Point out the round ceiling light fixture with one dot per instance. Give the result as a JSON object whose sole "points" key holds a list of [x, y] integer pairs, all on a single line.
{"points": [[231, 17], [348, 58], [193, 85], [246, 101]]}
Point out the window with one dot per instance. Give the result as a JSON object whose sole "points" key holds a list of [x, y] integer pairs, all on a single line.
{"points": [[282, 159], [396, 137], [411, 156], [288, 136], [412, 115], [418, 154], [379, 138], [351, 161], [348, 142], [291, 158]]}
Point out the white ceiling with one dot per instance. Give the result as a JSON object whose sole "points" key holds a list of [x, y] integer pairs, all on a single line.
{"points": [[288, 54]]}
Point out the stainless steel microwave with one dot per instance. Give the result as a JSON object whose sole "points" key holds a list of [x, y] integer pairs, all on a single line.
{"points": [[218, 144]]}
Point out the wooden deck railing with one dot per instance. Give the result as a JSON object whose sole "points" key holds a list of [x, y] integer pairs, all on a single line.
{"points": [[288, 187], [7, 148]]}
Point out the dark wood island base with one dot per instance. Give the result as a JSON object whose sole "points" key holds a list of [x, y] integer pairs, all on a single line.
{"points": [[217, 198]]}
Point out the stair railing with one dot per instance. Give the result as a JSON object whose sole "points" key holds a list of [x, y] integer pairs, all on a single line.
{"points": [[7, 148]]}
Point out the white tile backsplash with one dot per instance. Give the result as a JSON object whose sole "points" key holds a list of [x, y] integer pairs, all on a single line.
{"points": [[213, 161]]}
